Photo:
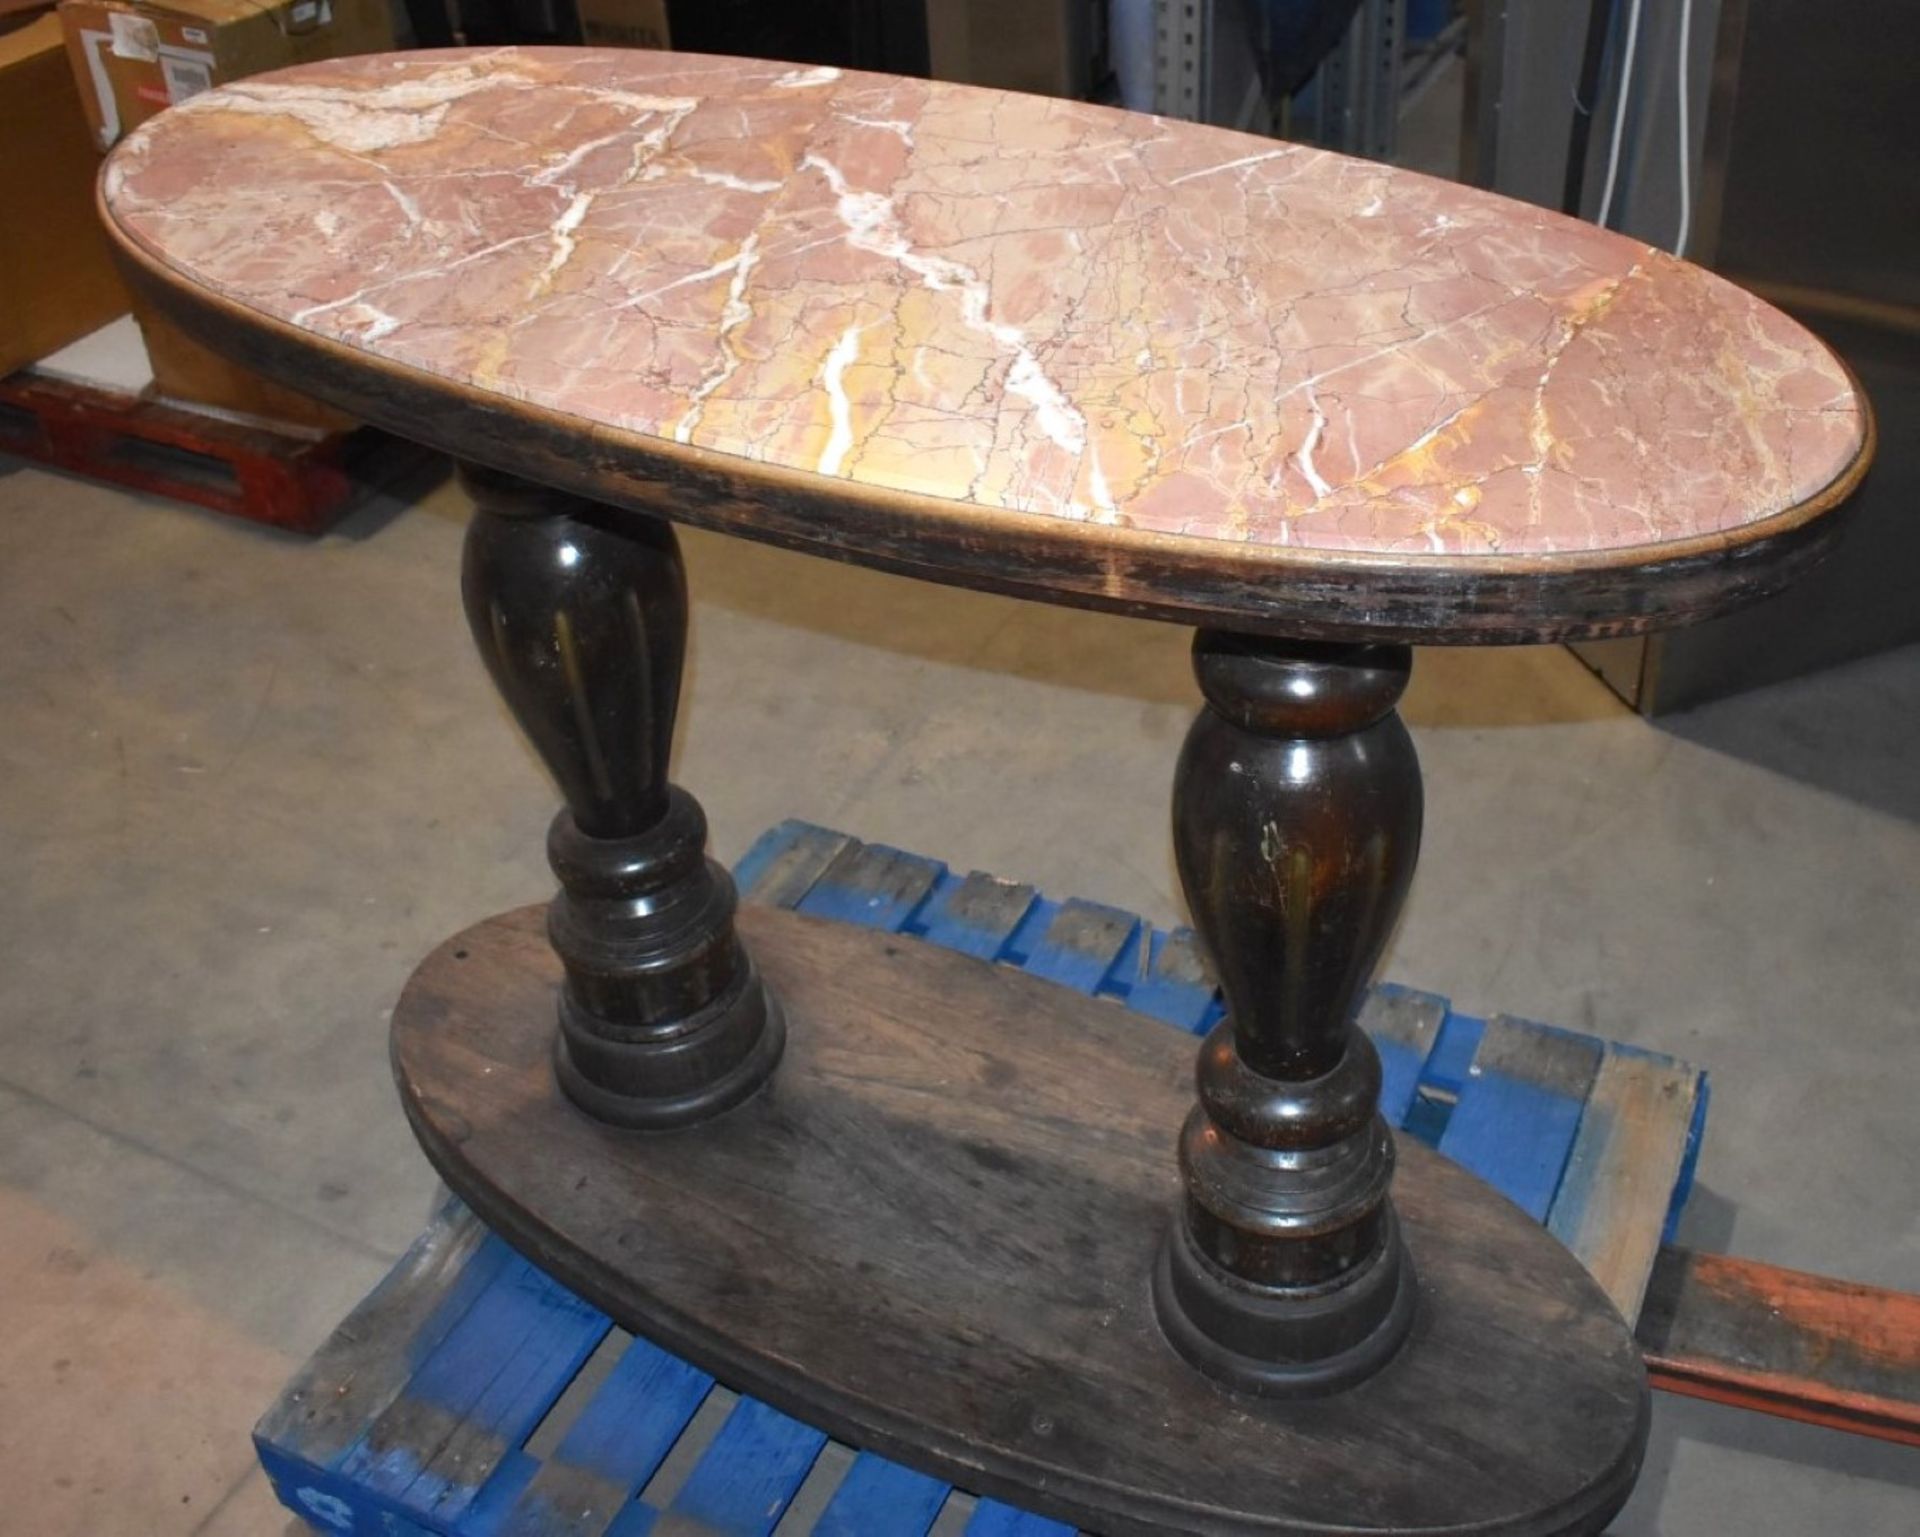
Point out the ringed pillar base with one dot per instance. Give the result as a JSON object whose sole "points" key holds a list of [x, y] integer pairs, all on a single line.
{"points": [[1299, 1343]]}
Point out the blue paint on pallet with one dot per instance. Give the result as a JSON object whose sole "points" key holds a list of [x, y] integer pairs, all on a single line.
{"points": [[753, 865], [498, 1496], [1518, 1140], [620, 1439], [1689, 1160], [1026, 937], [1519, 1110], [954, 916], [879, 888], [488, 1384], [635, 1521], [447, 1457], [1083, 945], [750, 1474], [1169, 990], [1450, 1064], [301, 1431], [881, 1496], [992, 1519]]}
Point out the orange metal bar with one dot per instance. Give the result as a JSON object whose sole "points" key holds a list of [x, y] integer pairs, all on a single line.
{"points": [[1784, 1342]]}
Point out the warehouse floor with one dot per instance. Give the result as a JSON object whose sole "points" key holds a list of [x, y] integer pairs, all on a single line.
{"points": [[247, 780]]}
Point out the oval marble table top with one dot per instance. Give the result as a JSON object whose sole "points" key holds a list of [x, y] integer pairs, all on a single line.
{"points": [[1000, 339]]}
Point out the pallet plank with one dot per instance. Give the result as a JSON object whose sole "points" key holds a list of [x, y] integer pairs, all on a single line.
{"points": [[366, 1363], [1404, 1025], [522, 1320], [616, 1445], [749, 1475], [500, 1420], [785, 861], [1178, 986], [1519, 1109], [1612, 1202], [881, 1496], [871, 885], [1083, 944], [976, 914], [993, 1519]]}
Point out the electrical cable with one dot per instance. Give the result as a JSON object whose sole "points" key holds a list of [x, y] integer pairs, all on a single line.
{"points": [[1686, 134], [1585, 99], [1620, 111]]}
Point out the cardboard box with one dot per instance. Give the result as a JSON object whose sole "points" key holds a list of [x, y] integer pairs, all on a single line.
{"points": [[57, 279], [625, 23], [136, 58], [1043, 46], [133, 59]]}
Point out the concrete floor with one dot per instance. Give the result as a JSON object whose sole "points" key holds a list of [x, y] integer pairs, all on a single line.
{"points": [[247, 780]]}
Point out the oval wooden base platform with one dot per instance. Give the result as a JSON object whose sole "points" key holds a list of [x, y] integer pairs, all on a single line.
{"points": [[933, 1233]]}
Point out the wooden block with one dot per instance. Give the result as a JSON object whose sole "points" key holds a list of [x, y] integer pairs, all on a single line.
{"points": [[1520, 1107], [1178, 986], [1082, 945], [748, 1476], [871, 885], [477, 1395], [992, 1519], [1626, 1159], [616, 1445], [1404, 1026], [878, 1496], [976, 914], [365, 1365], [785, 861]]}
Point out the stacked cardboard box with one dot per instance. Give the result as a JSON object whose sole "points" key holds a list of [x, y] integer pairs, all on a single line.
{"points": [[1043, 46], [624, 23], [57, 280], [133, 59], [1047, 46]]}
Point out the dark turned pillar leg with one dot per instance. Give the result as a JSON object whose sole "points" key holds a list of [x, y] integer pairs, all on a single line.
{"points": [[663, 1019], [1296, 821]]}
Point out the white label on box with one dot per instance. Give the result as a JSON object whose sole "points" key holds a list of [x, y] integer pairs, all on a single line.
{"points": [[134, 37], [186, 74], [94, 44], [304, 12], [193, 35]]}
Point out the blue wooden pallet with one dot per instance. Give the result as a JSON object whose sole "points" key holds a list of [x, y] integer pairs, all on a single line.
{"points": [[471, 1396]]}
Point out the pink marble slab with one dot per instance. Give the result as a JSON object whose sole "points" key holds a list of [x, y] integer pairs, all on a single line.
{"points": [[1023, 304]]}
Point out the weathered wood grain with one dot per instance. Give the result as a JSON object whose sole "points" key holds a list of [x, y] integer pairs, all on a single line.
{"points": [[930, 1236], [368, 1360], [1612, 1202]]}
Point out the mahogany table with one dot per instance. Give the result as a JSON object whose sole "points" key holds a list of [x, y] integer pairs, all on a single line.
{"points": [[1318, 408]]}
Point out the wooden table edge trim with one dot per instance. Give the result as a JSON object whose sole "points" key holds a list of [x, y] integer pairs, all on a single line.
{"points": [[1298, 593]]}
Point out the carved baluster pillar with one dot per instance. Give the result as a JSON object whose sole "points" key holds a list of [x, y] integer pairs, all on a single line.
{"points": [[1296, 817], [663, 1018]]}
